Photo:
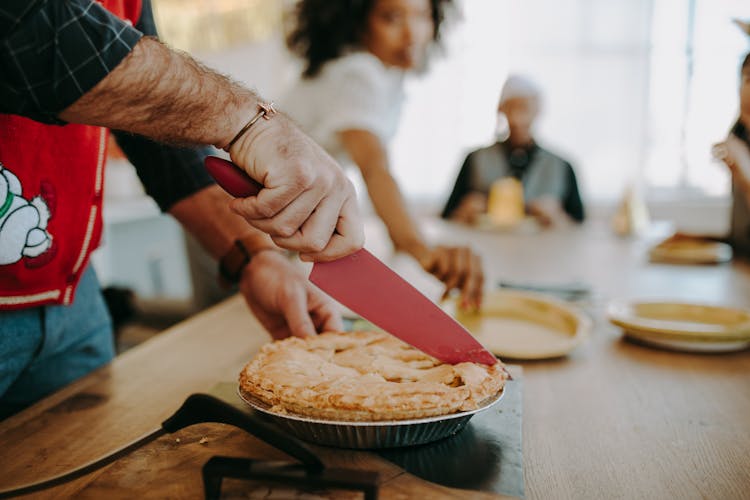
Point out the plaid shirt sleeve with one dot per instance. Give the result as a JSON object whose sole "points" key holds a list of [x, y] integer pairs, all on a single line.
{"points": [[168, 173], [54, 51]]}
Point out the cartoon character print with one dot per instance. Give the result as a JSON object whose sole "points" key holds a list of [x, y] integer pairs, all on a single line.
{"points": [[23, 223]]}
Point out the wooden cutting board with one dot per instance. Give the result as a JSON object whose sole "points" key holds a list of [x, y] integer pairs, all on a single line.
{"points": [[170, 467]]}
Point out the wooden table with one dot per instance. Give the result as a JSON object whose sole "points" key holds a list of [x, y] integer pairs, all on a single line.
{"points": [[612, 420]]}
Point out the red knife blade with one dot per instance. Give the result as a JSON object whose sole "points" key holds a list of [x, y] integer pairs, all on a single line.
{"points": [[371, 289]]}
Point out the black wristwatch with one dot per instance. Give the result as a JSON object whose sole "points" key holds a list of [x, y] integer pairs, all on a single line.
{"points": [[234, 261]]}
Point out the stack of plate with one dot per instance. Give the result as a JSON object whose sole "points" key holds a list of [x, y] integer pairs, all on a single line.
{"points": [[684, 249], [683, 326]]}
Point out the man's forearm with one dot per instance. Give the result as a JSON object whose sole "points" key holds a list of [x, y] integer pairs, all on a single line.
{"points": [[207, 216], [166, 95]]}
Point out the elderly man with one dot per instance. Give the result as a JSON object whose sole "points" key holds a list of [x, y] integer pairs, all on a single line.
{"points": [[549, 183]]}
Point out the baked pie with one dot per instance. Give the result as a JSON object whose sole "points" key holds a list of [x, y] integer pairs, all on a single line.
{"points": [[364, 376]]}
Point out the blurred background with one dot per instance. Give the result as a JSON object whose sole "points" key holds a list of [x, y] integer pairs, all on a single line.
{"points": [[635, 93]]}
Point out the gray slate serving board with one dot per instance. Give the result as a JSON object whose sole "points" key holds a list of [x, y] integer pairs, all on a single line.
{"points": [[485, 456]]}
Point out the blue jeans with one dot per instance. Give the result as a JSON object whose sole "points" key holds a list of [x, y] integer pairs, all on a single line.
{"points": [[45, 348]]}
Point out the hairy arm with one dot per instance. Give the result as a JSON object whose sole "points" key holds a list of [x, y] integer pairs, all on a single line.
{"points": [[207, 216], [166, 95]]}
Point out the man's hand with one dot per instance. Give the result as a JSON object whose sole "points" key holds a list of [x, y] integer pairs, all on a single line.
{"points": [[470, 208], [548, 212], [736, 155], [283, 300], [307, 203], [457, 267]]}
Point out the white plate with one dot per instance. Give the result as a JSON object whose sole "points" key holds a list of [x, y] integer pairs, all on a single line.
{"points": [[688, 345], [683, 326], [525, 325], [690, 250], [682, 320]]}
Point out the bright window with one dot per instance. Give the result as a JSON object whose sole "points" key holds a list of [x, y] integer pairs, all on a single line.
{"points": [[635, 91]]}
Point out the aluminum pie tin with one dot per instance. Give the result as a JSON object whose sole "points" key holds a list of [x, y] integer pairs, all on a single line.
{"points": [[370, 435]]}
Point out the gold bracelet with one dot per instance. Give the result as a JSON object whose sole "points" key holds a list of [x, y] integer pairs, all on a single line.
{"points": [[266, 112]]}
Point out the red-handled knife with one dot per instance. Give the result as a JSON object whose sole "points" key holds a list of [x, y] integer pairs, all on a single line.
{"points": [[371, 289]]}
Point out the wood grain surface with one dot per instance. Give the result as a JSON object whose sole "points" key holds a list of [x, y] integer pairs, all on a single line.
{"points": [[612, 420], [616, 419]]}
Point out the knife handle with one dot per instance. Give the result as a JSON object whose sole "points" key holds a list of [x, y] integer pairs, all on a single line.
{"points": [[232, 178]]}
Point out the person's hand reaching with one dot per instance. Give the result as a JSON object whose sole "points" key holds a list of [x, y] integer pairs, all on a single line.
{"points": [[458, 268], [283, 300], [548, 212], [470, 208], [736, 156]]}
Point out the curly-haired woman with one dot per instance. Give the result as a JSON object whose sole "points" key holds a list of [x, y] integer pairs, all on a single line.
{"points": [[735, 152], [356, 55]]}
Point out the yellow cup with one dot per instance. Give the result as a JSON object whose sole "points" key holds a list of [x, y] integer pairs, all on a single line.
{"points": [[505, 204]]}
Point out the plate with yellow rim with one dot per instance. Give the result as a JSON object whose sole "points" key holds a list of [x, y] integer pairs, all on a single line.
{"points": [[525, 325], [683, 326], [685, 249]]}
